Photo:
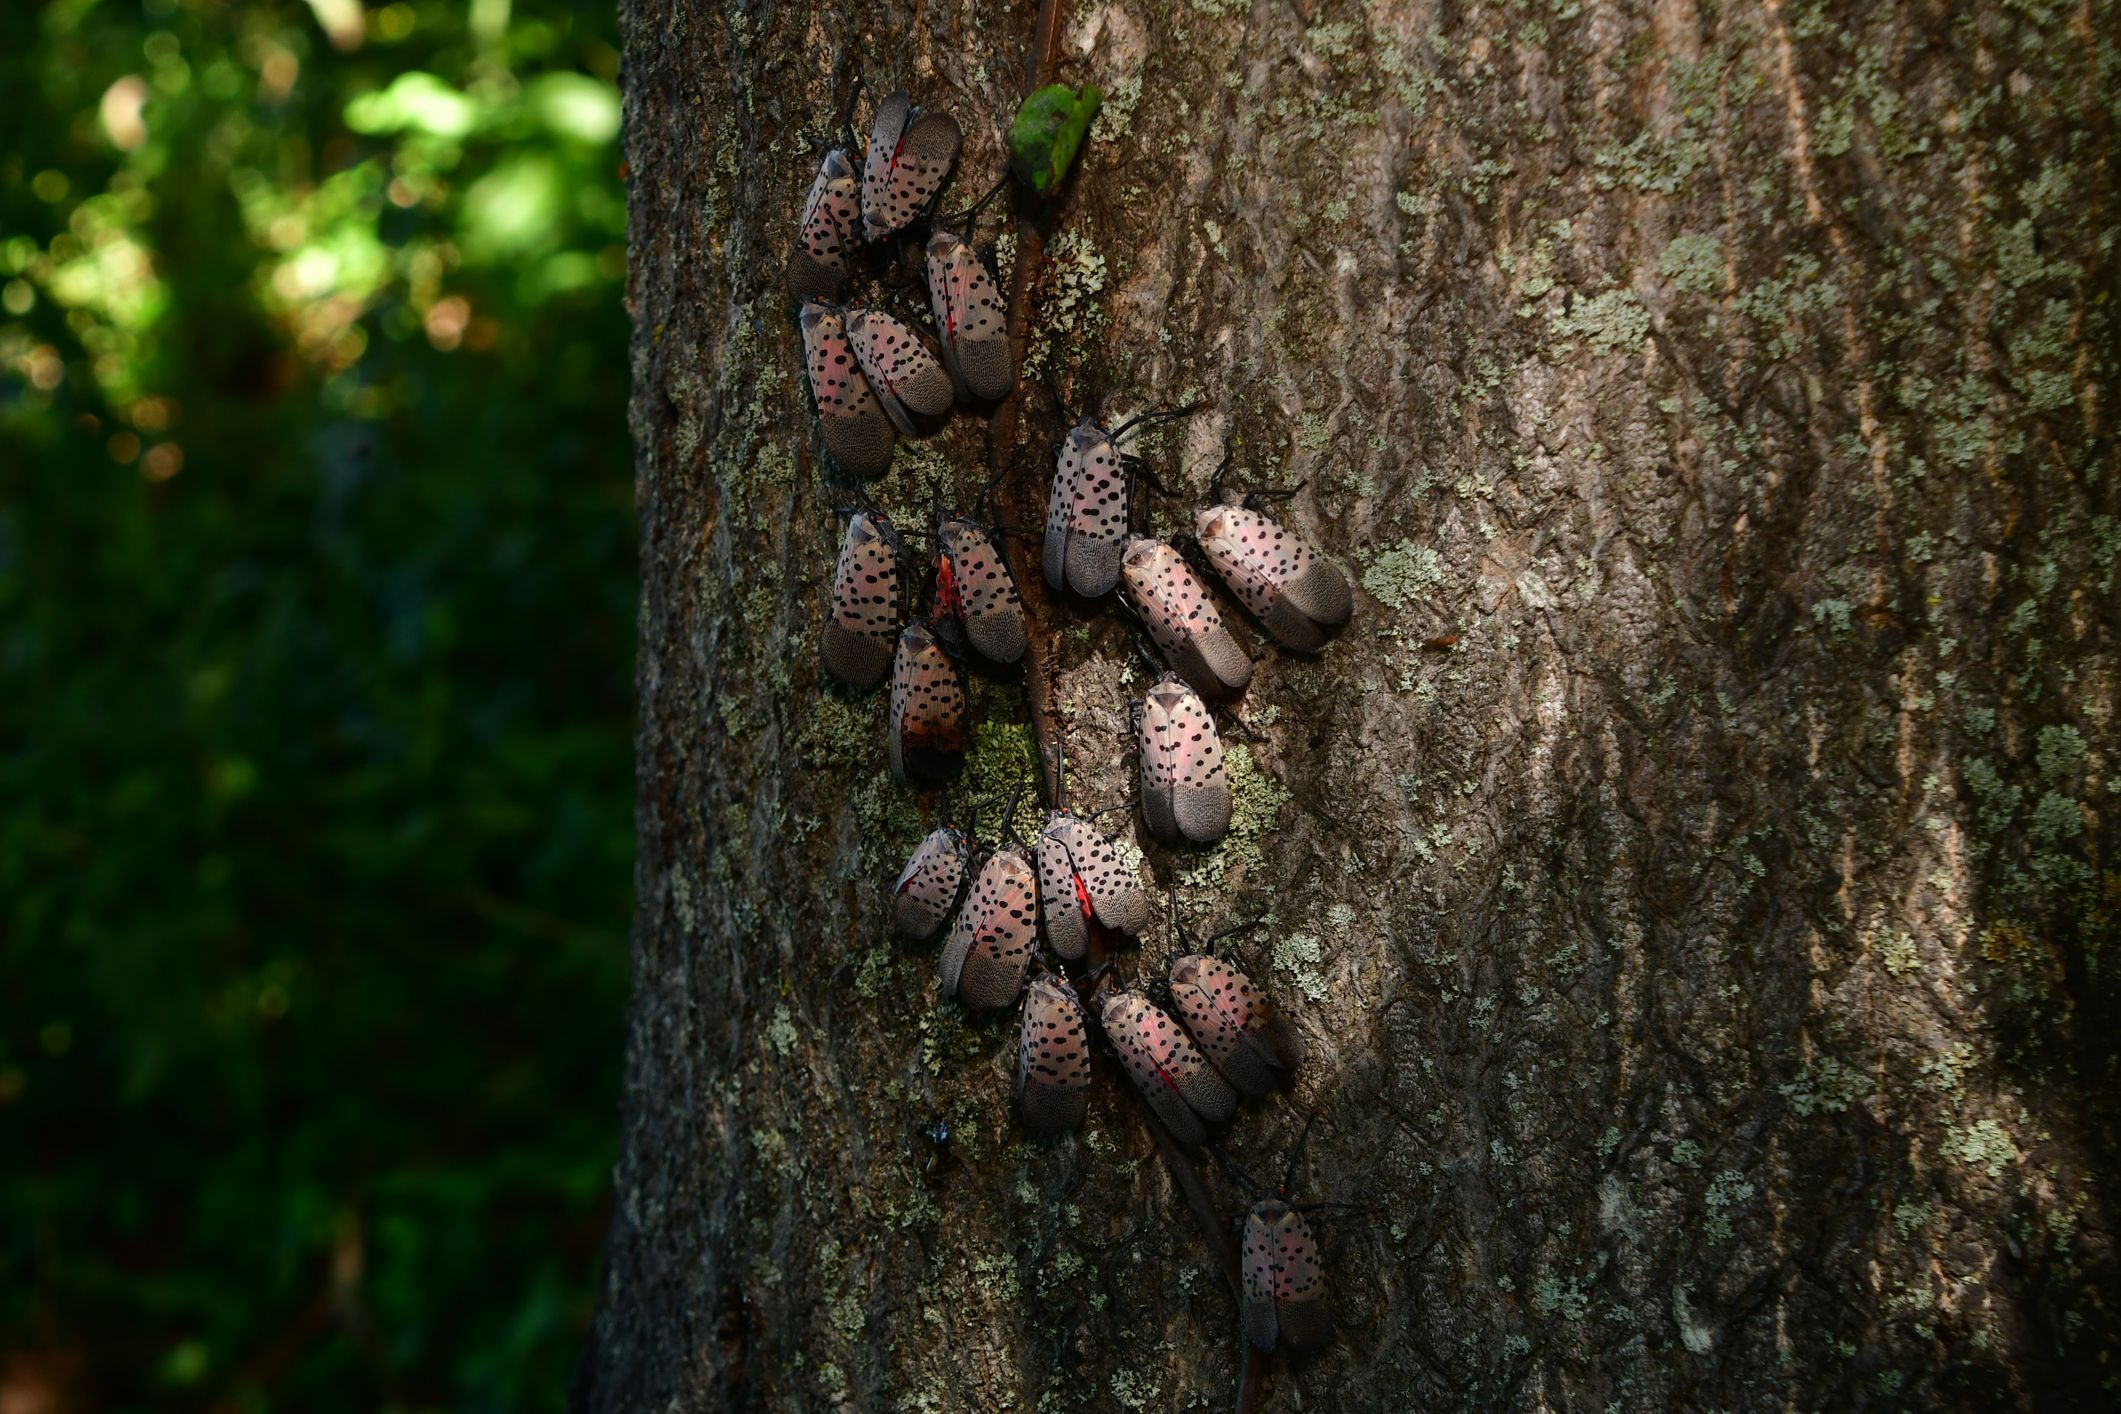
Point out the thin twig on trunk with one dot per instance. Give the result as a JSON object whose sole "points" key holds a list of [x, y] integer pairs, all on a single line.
{"points": [[1018, 495], [1020, 504]]}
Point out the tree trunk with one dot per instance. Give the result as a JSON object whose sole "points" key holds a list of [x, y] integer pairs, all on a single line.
{"points": [[1688, 869]]}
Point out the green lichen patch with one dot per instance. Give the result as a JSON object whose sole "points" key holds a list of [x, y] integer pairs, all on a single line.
{"points": [[1997, 800], [1400, 574], [1983, 1145], [1826, 1086], [1728, 1192], [1613, 320], [1116, 114], [1694, 263], [1298, 955], [1071, 311], [842, 731], [780, 1031], [2056, 819], [1256, 800], [1897, 950], [1002, 759], [2061, 752]]}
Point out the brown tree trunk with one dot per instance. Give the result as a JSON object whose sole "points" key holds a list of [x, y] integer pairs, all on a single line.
{"points": [[1708, 959]]}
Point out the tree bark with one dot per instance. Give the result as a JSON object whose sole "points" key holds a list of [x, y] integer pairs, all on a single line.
{"points": [[1707, 959]]}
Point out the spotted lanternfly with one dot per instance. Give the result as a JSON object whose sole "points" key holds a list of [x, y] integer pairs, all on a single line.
{"points": [[1185, 793], [974, 583], [1052, 1057], [1299, 594], [1285, 1304], [1081, 880], [1162, 588], [1086, 513], [910, 153], [831, 217], [1169, 1070], [858, 637], [900, 369], [1237, 1028], [857, 432], [997, 932], [926, 736], [929, 886], [970, 319]]}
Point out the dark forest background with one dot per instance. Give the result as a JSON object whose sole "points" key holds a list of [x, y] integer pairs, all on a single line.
{"points": [[316, 618]]}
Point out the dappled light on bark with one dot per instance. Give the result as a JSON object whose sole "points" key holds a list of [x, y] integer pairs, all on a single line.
{"points": [[1685, 871]]}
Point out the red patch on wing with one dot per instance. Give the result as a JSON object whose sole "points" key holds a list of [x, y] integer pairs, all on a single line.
{"points": [[946, 590]]}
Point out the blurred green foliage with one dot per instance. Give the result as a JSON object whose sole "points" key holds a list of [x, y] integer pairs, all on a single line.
{"points": [[316, 617]]}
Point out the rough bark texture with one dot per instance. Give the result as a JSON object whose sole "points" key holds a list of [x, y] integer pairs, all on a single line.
{"points": [[1708, 961]]}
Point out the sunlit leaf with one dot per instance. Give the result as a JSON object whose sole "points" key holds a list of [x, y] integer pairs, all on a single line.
{"points": [[575, 106], [514, 208], [418, 102]]}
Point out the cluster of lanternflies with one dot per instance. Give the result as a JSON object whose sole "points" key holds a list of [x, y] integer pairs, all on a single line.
{"points": [[875, 379]]}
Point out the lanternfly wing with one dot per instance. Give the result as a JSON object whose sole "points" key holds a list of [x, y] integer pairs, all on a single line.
{"points": [[1063, 904], [1115, 891], [1080, 878], [969, 319], [930, 884], [858, 638], [857, 432], [1172, 1075], [1052, 1057], [997, 931], [926, 735], [1237, 1028], [987, 602], [1086, 514], [831, 217], [1185, 792], [909, 155], [1285, 1287], [1182, 618], [1296, 592], [1215, 1001], [899, 367]]}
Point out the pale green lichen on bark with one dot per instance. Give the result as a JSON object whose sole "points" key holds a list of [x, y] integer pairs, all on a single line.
{"points": [[1947, 273], [1400, 575]]}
